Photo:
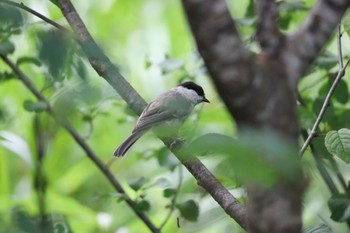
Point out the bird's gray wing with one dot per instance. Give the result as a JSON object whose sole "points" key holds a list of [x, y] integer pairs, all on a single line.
{"points": [[152, 118], [165, 107]]}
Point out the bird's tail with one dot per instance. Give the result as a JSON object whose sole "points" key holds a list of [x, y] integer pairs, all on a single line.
{"points": [[125, 146]]}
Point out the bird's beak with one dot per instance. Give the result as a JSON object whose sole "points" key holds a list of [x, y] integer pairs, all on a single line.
{"points": [[205, 100]]}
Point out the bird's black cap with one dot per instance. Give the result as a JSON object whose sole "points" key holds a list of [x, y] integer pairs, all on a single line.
{"points": [[196, 88]]}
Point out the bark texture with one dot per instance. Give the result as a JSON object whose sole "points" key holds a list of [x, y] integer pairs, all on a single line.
{"points": [[260, 91]]}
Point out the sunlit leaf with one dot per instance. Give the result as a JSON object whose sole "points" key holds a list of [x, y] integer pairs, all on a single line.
{"points": [[17, 145], [340, 207], [189, 210], [338, 143]]}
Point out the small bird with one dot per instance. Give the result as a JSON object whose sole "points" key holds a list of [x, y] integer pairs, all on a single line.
{"points": [[165, 114]]}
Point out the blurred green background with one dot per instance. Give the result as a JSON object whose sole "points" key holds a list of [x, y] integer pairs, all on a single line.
{"points": [[150, 42]]}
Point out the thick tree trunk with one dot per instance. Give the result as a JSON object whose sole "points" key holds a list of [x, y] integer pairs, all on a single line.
{"points": [[259, 91]]}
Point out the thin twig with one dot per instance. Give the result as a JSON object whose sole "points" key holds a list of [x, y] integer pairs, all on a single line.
{"points": [[89, 152], [37, 14], [340, 51], [320, 166], [173, 201], [324, 108]]}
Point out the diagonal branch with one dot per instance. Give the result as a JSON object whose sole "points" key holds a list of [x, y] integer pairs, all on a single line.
{"points": [[89, 152], [326, 102], [270, 37], [108, 71], [305, 44], [37, 14]]}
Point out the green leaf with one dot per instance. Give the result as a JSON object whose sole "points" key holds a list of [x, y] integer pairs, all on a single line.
{"points": [[189, 210], [338, 144], [25, 223], [166, 159], [169, 192], [339, 205], [160, 182], [31, 106], [28, 60], [292, 6], [317, 106], [341, 93], [5, 76], [11, 20], [326, 60], [81, 69], [6, 47], [250, 11], [143, 205], [137, 184], [16, 145], [148, 63], [54, 51], [269, 159], [56, 2], [323, 228], [346, 23]]}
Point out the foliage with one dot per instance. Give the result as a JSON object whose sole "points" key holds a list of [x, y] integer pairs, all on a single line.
{"points": [[46, 181]]}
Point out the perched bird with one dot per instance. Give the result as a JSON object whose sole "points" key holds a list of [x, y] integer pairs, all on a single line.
{"points": [[165, 114]]}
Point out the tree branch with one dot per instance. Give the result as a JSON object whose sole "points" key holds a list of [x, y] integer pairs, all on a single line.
{"points": [[221, 195], [268, 33], [37, 14], [305, 44], [99, 61], [89, 152], [313, 131], [107, 70]]}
